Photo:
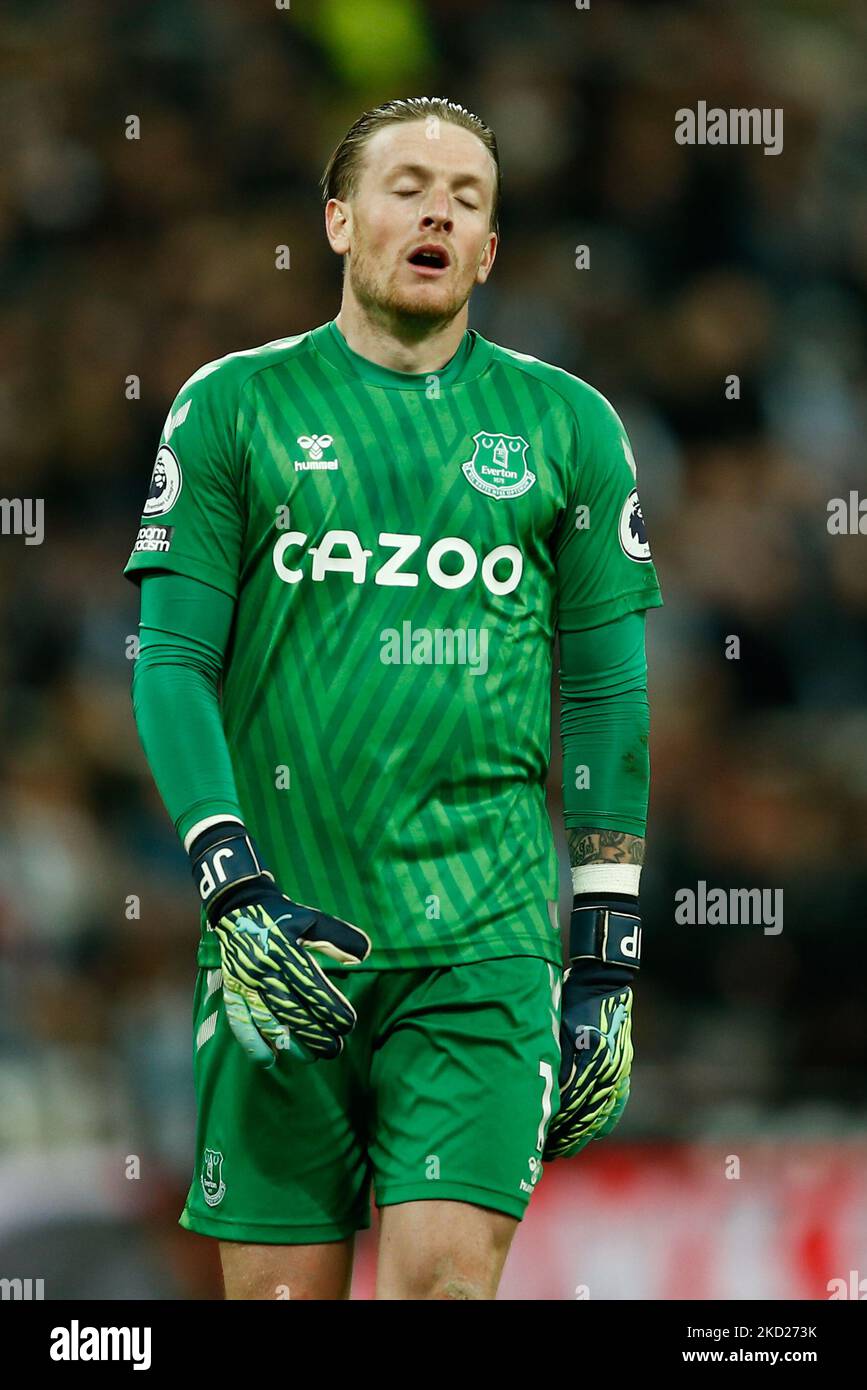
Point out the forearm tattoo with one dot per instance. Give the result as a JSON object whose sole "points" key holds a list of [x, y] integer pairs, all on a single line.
{"points": [[588, 846]]}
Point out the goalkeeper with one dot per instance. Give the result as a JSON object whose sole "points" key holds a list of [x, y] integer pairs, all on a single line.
{"points": [[358, 549]]}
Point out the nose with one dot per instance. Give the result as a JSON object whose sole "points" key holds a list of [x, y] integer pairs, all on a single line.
{"points": [[438, 212]]}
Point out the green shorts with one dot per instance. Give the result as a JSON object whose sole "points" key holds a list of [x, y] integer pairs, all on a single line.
{"points": [[445, 1089]]}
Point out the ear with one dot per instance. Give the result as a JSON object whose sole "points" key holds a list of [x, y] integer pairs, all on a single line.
{"points": [[338, 225], [489, 255]]}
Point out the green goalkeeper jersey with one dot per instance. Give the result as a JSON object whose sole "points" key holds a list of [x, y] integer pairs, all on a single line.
{"points": [[401, 549]]}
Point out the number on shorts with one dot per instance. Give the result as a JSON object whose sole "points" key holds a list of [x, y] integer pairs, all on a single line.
{"points": [[545, 1071]]}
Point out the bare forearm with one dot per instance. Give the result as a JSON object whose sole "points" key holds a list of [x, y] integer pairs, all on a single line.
{"points": [[589, 846]]}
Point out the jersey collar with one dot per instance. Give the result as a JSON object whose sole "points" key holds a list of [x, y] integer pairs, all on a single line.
{"points": [[470, 360]]}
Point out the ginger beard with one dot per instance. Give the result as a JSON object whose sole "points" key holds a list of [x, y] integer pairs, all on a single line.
{"points": [[388, 287]]}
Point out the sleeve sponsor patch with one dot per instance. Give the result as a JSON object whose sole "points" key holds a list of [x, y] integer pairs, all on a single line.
{"points": [[166, 483], [633, 535], [153, 539]]}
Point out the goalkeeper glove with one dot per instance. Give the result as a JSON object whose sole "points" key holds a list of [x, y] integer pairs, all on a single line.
{"points": [[596, 1021], [277, 996]]}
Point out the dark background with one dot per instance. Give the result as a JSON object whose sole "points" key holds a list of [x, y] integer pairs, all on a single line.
{"points": [[149, 257]]}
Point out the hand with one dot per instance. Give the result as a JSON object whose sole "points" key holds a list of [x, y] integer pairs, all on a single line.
{"points": [[596, 1022], [277, 996], [595, 1059]]}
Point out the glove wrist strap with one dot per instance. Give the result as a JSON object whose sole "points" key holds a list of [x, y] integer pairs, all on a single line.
{"points": [[607, 929], [224, 859]]}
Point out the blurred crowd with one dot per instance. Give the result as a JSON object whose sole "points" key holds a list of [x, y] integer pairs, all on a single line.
{"points": [[126, 263]]}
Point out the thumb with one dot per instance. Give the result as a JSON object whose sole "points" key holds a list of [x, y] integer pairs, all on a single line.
{"points": [[336, 939]]}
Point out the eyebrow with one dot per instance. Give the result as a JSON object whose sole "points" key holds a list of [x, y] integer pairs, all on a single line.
{"points": [[422, 171]]}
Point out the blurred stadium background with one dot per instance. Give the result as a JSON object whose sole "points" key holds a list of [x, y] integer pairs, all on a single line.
{"points": [[147, 258]]}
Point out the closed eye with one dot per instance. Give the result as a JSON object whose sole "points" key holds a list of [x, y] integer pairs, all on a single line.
{"points": [[472, 206]]}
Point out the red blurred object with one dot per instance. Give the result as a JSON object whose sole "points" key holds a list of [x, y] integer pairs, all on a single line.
{"points": [[651, 1221]]}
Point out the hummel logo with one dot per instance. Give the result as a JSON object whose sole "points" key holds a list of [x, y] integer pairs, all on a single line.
{"points": [[314, 445]]}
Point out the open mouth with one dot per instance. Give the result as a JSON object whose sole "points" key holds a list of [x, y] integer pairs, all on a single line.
{"points": [[430, 260]]}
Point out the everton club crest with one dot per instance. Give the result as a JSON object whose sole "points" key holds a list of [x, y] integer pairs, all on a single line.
{"points": [[498, 466], [212, 1177]]}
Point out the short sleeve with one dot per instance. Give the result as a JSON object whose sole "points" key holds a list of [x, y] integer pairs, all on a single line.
{"points": [[192, 521], [602, 553]]}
